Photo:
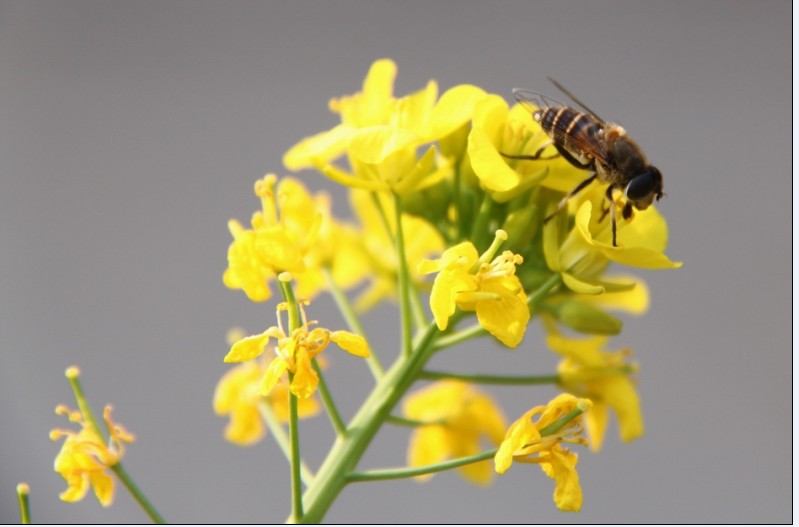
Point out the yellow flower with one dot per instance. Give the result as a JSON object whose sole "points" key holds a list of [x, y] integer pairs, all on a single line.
{"points": [[496, 130], [295, 352], [238, 395], [293, 232], [472, 283], [587, 250], [524, 443], [378, 253], [85, 456], [603, 377], [380, 134], [460, 416]]}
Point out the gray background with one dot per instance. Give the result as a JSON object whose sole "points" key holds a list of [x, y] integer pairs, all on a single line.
{"points": [[130, 132]]}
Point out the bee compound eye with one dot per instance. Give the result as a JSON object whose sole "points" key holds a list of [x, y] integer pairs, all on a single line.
{"points": [[642, 185]]}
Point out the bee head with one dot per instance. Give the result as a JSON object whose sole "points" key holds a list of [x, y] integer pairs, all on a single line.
{"points": [[644, 188]]}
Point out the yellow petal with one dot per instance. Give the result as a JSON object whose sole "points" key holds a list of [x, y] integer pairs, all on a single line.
{"points": [[103, 486], [568, 495], [274, 371], [305, 379], [619, 393], [489, 166], [506, 318], [596, 422], [321, 147], [247, 348], [648, 229], [351, 343], [453, 109], [245, 426], [375, 144], [428, 445]]}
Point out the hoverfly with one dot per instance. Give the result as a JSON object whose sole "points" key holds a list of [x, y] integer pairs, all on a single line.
{"points": [[590, 143]]}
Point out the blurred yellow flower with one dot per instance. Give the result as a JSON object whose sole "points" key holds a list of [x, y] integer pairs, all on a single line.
{"points": [[294, 352], [292, 232], [238, 394], [603, 377], [85, 456], [378, 253], [472, 283], [460, 416], [524, 443]]}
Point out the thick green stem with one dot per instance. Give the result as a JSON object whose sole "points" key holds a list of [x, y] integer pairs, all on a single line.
{"points": [[345, 454]]}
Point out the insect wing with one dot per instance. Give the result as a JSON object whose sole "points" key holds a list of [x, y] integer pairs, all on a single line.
{"points": [[534, 101]]}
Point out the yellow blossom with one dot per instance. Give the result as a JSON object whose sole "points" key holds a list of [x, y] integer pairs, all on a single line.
{"points": [[294, 352], [238, 394], [524, 443], [472, 283], [603, 377], [85, 456], [460, 416]]}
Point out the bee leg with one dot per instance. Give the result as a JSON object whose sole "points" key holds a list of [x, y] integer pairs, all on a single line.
{"points": [[605, 211], [573, 160], [570, 195], [533, 157], [612, 207]]}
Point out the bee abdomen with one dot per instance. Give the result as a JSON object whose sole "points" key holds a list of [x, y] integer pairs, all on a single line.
{"points": [[567, 126]]}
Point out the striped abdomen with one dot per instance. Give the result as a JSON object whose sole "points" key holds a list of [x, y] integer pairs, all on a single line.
{"points": [[577, 131]]}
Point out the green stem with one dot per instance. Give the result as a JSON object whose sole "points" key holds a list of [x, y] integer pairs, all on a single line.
{"points": [[534, 298], [460, 336], [294, 439], [137, 494], [330, 404], [284, 279], [23, 495], [399, 473], [411, 423], [481, 221], [556, 425], [404, 281], [508, 380], [352, 320], [83, 403], [282, 440], [345, 454]]}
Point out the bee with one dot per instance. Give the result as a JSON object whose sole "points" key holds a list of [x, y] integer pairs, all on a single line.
{"points": [[590, 143]]}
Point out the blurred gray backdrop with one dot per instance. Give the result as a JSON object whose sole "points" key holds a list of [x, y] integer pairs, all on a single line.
{"points": [[130, 132]]}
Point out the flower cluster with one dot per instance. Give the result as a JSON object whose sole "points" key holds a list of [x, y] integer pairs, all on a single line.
{"points": [[460, 202], [450, 201]]}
